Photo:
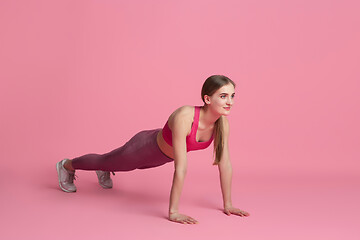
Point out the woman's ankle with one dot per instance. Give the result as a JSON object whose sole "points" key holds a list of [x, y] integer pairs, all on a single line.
{"points": [[68, 165]]}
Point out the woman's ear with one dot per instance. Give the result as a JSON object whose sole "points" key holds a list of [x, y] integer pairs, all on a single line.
{"points": [[207, 99]]}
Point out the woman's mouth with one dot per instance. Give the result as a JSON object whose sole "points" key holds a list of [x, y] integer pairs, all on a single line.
{"points": [[227, 108]]}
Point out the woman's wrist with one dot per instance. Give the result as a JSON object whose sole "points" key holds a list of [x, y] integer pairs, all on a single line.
{"points": [[227, 205], [172, 211]]}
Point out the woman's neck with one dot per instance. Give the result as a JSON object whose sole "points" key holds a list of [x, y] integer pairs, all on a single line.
{"points": [[207, 117]]}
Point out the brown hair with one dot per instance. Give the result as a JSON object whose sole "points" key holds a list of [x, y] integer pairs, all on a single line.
{"points": [[210, 86]]}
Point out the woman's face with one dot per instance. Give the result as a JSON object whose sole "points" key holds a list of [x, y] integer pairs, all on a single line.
{"points": [[222, 100]]}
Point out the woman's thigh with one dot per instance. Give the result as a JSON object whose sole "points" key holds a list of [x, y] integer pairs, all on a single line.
{"points": [[140, 152]]}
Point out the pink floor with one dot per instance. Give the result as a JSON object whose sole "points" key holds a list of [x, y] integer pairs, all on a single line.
{"points": [[300, 206]]}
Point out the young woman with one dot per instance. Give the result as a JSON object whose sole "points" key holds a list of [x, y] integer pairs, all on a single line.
{"points": [[188, 128]]}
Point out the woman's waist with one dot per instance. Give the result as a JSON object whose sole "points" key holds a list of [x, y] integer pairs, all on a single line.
{"points": [[164, 146]]}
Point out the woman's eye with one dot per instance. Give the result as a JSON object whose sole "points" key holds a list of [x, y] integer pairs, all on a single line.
{"points": [[225, 96]]}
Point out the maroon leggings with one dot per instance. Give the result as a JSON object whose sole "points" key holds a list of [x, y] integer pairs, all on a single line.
{"points": [[140, 152]]}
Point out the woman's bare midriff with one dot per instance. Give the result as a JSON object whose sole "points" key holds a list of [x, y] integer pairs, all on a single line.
{"points": [[164, 146]]}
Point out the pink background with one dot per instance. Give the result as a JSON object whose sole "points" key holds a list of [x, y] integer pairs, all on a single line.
{"points": [[85, 76]]}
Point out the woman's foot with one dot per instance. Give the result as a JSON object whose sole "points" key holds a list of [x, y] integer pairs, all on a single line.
{"points": [[104, 179], [66, 177]]}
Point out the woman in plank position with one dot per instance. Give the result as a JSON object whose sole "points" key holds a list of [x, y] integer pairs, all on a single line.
{"points": [[188, 128]]}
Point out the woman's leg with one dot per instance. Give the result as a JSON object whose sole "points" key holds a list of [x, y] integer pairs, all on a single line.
{"points": [[91, 161], [140, 152], [68, 165]]}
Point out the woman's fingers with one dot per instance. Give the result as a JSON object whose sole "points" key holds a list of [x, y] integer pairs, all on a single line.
{"points": [[189, 220], [236, 211], [193, 220], [245, 213], [184, 219], [241, 213]]}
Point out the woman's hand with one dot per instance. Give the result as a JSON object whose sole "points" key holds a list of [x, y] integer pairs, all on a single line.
{"points": [[231, 210], [181, 218]]}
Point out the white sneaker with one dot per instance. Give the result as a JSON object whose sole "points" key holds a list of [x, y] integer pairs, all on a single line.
{"points": [[104, 178], [66, 178]]}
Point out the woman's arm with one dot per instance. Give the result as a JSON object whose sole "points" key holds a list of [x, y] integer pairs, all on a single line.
{"points": [[225, 172], [225, 168], [180, 161]]}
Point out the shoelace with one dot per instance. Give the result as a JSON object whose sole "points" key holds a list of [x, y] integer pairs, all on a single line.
{"points": [[106, 175], [72, 177]]}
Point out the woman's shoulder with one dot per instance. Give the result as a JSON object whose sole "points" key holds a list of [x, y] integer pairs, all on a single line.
{"points": [[182, 113], [186, 109]]}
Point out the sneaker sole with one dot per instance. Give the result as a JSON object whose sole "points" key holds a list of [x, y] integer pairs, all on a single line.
{"points": [[58, 172], [104, 186]]}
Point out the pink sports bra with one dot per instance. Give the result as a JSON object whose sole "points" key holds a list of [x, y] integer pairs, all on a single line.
{"points": [[191, 143]]}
